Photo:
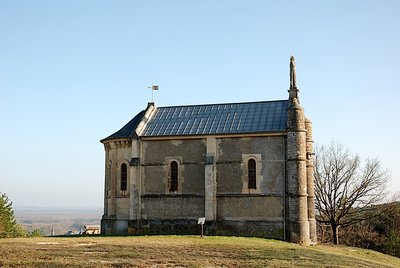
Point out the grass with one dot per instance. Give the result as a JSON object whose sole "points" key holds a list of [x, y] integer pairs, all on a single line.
{"points": [[180, 251]]}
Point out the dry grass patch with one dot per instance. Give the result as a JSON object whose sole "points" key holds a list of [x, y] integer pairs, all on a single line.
{"points": [[180, 251]]}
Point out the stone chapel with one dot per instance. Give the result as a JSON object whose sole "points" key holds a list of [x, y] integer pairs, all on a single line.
{"points": [[246, 167]]}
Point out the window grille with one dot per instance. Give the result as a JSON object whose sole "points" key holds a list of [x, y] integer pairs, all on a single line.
{"points": [[251, 165], [124, 177], [174, 177]]}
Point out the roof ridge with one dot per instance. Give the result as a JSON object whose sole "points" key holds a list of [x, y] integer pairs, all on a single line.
{"points": [[224, 103]]}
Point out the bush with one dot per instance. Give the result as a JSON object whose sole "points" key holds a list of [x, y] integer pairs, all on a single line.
{"points": [[35, 233]]}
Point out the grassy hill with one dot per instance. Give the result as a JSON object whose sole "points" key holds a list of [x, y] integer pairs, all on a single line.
{"points": [[180, 251]]}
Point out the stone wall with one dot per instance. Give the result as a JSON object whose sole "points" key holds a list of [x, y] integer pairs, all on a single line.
{"points": [[156, 156], [122, 207], [264, 208], [116, 203], [191, 150], [238, 210], [230, 165], [172, 207], [157, 202]]}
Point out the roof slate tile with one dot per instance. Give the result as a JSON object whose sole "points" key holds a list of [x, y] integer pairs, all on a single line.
{"points": [[234, 118]]}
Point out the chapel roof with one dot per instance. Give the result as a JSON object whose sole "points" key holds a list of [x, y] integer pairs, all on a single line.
{"points": [[229, 118], [127, 131], [209, 119]]}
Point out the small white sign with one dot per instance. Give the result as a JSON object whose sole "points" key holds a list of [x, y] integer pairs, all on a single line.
{"points": [[201, 221]]}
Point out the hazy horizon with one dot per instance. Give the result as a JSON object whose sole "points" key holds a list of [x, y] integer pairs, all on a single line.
{"points": [[60, 208]]}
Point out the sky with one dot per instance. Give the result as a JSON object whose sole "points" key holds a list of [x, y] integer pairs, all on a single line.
{"points": [[73, 72]]}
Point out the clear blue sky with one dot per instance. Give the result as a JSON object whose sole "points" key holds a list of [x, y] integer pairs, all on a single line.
{"points": [[73, 72]]}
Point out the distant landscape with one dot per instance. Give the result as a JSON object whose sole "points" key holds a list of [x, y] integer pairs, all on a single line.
{"points": [[61, 219]]}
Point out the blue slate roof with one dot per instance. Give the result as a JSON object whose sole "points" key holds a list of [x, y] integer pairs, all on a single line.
{"points": [[127, 131], [232, 118], [210, 119]]}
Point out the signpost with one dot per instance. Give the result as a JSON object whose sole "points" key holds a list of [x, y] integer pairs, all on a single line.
{"points": [[201, 221]]}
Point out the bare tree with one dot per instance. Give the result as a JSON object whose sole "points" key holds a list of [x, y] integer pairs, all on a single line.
{"points": [[345, 189]]}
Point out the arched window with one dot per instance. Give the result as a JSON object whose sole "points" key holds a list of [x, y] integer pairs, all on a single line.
{"points": [[124, 177], [251, 165], [174, 177]]}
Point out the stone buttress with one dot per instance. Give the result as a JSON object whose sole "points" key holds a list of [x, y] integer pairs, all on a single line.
{"points": [[310, 183], [296, 168]]}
